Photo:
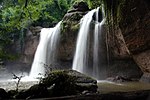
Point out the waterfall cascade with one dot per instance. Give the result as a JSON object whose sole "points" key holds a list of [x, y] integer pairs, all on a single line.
{"points": [[45, 55], [46, 50], [81, 58]]}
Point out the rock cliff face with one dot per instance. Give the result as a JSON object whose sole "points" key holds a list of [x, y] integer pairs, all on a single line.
{"points": [[135, 27], [31, 43], [70, 28]]}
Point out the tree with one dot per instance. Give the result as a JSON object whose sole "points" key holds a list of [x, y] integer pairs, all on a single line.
{"points": [[16, 16]]}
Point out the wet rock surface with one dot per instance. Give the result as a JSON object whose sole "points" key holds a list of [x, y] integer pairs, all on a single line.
{"points": [[135, 27]]}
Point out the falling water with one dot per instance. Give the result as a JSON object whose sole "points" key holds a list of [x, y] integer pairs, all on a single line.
{"points": [[81, 59], [97, 46], [46, 50]]}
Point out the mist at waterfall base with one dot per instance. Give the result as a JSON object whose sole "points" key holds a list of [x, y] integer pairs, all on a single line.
{"points": [[83, 58]]}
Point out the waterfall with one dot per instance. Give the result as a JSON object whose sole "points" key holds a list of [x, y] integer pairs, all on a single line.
{"points": [[45, 55], [97, 45], [81, 57]]}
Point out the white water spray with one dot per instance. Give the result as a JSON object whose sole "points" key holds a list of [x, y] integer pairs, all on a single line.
{"points": [[97, 46], [81, 59], [46, 51]]}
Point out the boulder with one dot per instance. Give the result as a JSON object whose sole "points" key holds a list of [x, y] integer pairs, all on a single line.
{"points": [[69, 82], [79, 6], [3, 94], [59, 83], [143, 60]]}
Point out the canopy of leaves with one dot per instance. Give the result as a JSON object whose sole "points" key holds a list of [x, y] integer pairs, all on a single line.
{"points": [[16, 16]]}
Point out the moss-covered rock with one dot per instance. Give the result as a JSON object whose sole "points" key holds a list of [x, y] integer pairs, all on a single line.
{"points": [[69, 82], [69, 32], [59, 83], [94, 3]]}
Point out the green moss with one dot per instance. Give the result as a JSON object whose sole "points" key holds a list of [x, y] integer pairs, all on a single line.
{"points": [[64, 84], [75, 28], [94, 3], [8, 56]]}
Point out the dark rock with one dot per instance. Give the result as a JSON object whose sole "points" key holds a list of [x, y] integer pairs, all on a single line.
{"points": [[3, 94], [69, 82], [81, 6], [1, 63], [12, 93], [99, 16], [119, 79], [35, 91], [135, 27], [143, 61], [145, 78]]}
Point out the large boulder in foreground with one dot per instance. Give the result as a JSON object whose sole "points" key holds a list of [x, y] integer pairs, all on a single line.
{"points": [[69, 82], [60, 83], [3, 94]]}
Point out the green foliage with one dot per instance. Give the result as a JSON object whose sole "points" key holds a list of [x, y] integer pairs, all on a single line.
{"points": [[16, 18], [94, 3]]}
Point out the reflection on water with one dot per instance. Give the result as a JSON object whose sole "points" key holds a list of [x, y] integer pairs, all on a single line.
{"points": [[107, 86]]}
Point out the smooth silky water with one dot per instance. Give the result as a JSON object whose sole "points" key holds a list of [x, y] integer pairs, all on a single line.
{"points": [[82, 57], [45, 55], [107, 86]]}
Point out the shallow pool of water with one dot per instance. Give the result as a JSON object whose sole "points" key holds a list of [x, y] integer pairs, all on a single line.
{"points": [[106, 86]]}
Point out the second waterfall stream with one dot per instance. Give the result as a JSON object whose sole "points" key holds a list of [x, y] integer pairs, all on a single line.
{"points": [[83, 57]]}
